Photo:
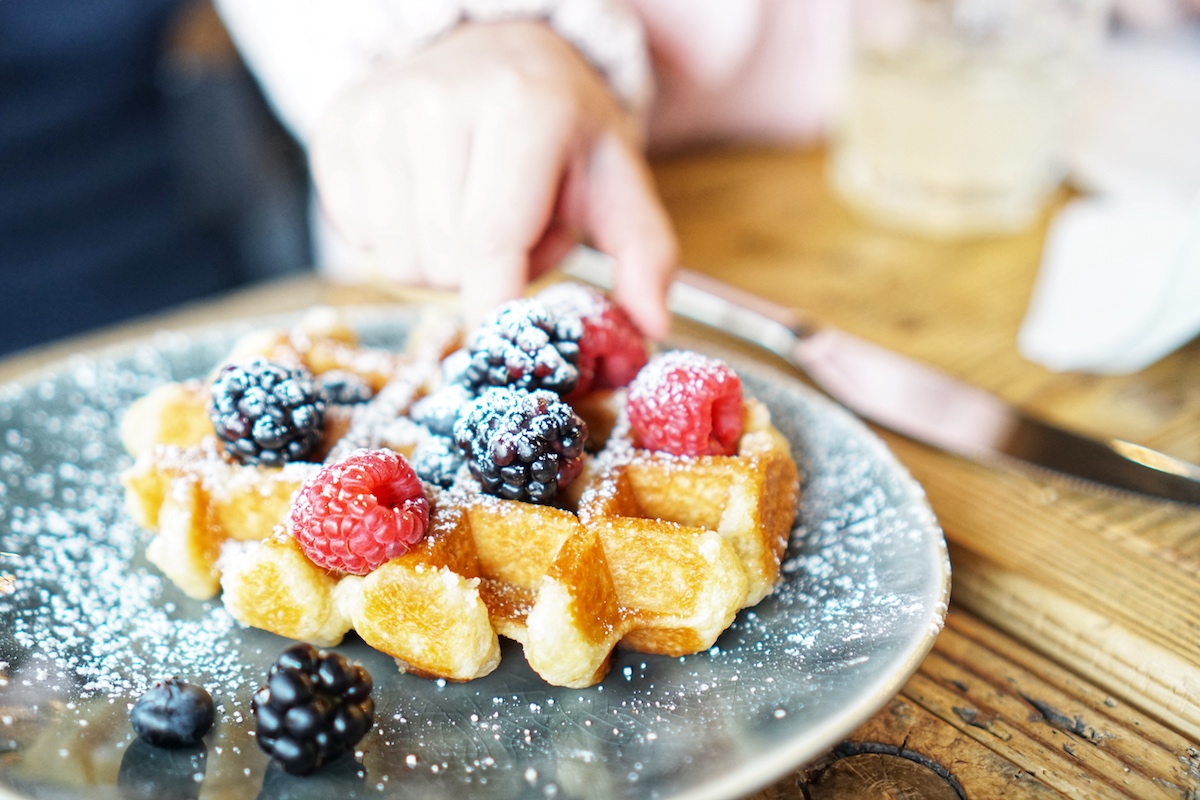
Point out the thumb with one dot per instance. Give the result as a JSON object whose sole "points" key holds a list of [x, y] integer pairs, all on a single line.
{"points": [[626, 219]]}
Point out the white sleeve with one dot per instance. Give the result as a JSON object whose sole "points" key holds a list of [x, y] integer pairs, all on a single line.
{"points": [[305, 53]]}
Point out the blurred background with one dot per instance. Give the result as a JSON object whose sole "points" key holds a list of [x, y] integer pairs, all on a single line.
{"points": [[141, 167]]}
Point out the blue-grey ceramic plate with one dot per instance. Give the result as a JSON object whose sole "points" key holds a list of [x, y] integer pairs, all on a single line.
{"points": [[86, 624]]}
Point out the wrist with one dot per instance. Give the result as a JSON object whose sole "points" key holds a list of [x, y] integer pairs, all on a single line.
{"points": [[606, 33]]}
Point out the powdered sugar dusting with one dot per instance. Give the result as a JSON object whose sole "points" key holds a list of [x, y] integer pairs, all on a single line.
{"points": [[87, 622]]}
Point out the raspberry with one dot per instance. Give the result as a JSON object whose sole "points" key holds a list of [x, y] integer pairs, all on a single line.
{"points": [[267, 413], [314, 707], [611, 350], [687, 404], [360, 512], [524, 346], [522, 445], [172, 713]]}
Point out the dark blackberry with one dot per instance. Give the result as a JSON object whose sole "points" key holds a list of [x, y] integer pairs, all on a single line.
{"points": [[315, 707], [522, 445], [342, 388], [525, 346], [437, 460], [172, 713], [267, 413]]}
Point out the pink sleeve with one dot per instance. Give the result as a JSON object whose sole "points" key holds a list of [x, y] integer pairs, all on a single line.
{"points": [[763, 70]]}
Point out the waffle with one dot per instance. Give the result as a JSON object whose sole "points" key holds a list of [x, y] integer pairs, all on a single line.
{"points": [[194, 498], [749, 498], [651, 552], [640, 565], [568, 592]]}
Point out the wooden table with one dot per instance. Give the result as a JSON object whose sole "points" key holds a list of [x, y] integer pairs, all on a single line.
{"points": [[1070, 662]]}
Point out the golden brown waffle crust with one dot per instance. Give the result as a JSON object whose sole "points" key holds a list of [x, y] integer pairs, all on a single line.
{"points": [[657, 554]]}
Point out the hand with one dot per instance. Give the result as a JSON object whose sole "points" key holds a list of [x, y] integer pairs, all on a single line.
{"points": [[480, 160]]}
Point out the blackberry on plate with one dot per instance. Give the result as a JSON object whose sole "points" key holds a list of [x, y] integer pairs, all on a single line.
{"points": [[172, 713], [266, 413], [343, 388], [315, 707], [522, 445], [523, 345]]}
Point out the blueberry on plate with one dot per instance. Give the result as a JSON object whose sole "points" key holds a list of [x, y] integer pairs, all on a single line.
{"points": [[172, 713]]}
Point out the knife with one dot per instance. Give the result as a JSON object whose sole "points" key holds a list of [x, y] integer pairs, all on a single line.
{"points": [[909, 397]]}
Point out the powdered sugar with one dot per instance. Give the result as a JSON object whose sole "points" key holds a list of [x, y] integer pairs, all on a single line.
{"points": [[87, 623]]}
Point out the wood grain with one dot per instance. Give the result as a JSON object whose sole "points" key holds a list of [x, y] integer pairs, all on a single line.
{"points": [[1109, 585], [988, 717]]}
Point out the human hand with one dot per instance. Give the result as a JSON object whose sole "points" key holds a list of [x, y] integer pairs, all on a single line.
{"points": [[480, 160]]}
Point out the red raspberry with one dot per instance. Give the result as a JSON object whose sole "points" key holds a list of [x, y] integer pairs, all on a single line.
{"points": [[687, 404], [360, 512], [611, 350]]}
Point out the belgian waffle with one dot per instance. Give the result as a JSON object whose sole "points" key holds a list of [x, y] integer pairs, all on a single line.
{"points": [[654, 552]]}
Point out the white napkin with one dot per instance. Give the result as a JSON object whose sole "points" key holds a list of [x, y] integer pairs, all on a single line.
{"points": [[1119, 283]]}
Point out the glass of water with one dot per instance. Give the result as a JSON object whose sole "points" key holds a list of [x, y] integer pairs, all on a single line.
{"points": [[958, 111]]}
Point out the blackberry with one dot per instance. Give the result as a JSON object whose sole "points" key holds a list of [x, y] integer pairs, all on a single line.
{"points": [[523, 345], [454, 366], [266, 413], [314, 707], [343, 388], [172, 713], [522, 445], [440, 410], [437, 460]]}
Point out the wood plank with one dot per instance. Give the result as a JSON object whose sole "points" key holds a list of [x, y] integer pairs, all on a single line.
{"points": [[1057, 540], [1119, 659], [974, 634], [993, 718], [1036, 718]]}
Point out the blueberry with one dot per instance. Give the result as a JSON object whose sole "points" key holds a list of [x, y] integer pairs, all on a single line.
{"points": [[343, 388], [172, 713]]}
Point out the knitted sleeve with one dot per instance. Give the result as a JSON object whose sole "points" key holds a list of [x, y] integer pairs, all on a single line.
{"points": [[306, 52]]}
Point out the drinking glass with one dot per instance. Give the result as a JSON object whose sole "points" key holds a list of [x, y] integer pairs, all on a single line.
{"points": [[958, 111]]}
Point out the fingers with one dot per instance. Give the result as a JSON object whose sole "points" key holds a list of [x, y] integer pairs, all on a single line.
{"points": [[515, 168], [436, 148], [626, 219], [364, 185], [476, 162], [556, 242]]}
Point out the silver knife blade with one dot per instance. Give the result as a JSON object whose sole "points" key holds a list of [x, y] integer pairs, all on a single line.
{"points": [[912, 398]]}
